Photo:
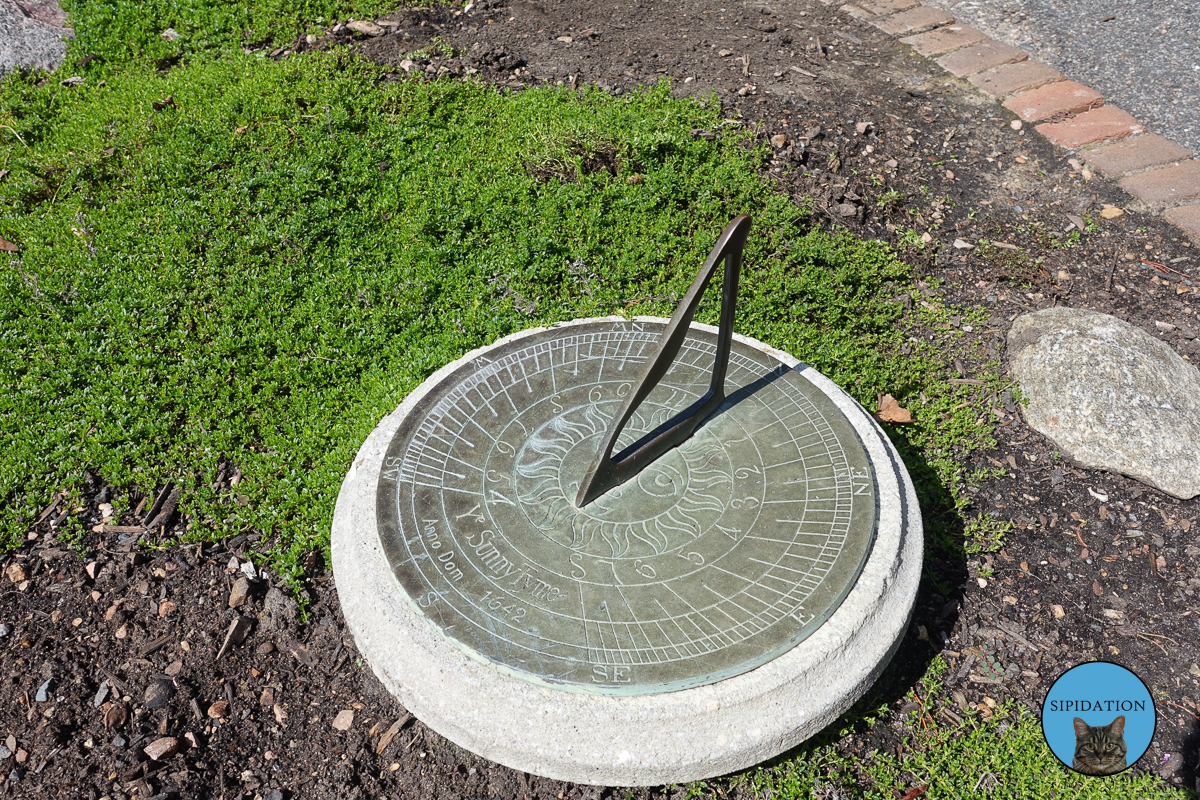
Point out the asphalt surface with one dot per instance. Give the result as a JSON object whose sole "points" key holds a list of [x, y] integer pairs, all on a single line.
{"points": [[1142, 55]]}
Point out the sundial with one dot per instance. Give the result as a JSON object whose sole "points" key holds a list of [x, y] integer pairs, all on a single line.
{"points": [[610, 516]]}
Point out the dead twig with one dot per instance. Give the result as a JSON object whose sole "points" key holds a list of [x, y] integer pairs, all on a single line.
{"points": [[1163, 268]]}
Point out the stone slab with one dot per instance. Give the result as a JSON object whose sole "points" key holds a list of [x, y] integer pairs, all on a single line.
{"points": [[881, 7], [1135, 155], [915, 20], [1187, 218], [979, 57], [1046, 101], [1019, 77], [1111, 395], [943, 40], [33, 36], [1104, 124], [653, 739], [1167, 186], [856, 12]]}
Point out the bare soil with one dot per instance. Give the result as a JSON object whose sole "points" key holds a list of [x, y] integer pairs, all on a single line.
{"points": [[106, 655]]}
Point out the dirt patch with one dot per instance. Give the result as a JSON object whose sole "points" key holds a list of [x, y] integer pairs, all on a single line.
{"points": [[107, 656]]}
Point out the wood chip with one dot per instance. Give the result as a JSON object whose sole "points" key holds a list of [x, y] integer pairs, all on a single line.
{"points": [[152, 645], [386, 738], [301, 654]]}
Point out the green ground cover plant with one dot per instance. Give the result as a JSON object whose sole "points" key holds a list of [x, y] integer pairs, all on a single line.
{"points": [[1001, 755], [260, 268], [117, 34]]}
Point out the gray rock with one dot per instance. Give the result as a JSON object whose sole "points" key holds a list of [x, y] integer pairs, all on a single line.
{"points": [[279, 612], [158, 694], [43, 692], [239, 592], [1111, 395], [26, 41], [101, 695]]}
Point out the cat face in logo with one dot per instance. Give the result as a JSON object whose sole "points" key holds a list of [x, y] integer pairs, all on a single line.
{"points": [[1099, 750]]}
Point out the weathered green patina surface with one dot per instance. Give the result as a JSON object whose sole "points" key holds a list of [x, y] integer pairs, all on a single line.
{"points": [[725, 552]]}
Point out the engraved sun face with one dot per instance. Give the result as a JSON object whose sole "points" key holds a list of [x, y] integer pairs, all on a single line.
{"points": [[666, 506]]}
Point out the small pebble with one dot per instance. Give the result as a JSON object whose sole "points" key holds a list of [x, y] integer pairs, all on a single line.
{"points": [[42, 696], [239, 592], [118, 741], [162, 748], [101, 695], [158, 694]]}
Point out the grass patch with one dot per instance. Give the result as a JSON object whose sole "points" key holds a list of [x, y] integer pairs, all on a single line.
{"points": [[1002, 756], [121, 33], [260, 270], [998, 755]]}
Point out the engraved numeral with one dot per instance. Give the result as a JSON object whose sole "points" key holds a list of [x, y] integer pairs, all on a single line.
{"points": [[497, 497], [732, 533]]}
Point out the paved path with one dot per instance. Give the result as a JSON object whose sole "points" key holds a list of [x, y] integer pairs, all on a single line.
{"points": [[1142, 55]]}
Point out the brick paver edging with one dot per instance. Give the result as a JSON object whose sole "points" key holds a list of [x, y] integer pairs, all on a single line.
{"points": [[1158, 172]]}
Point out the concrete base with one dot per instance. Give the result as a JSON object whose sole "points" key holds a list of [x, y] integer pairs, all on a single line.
{"points": [[645, 740]]}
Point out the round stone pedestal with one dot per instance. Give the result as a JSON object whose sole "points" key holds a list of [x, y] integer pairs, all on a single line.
{"points": [[647, 738]]}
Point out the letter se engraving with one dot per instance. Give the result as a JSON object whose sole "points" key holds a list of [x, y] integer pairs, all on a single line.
{"points": [[611, 673]]}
